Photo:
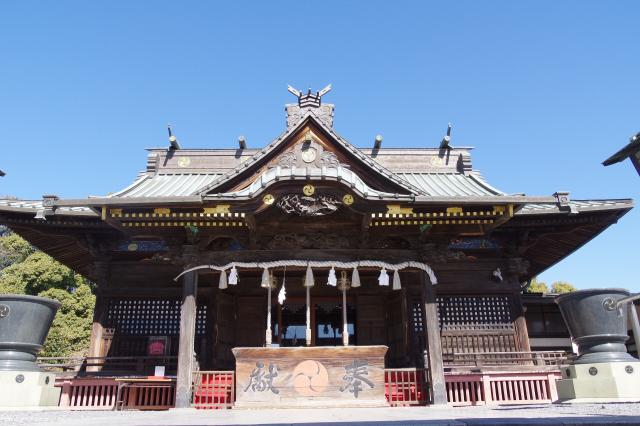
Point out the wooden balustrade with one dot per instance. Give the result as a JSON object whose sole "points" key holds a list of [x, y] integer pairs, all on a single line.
{"points": [[213, 390], [102, 393], [535, 360], [88, 394], [406, 386], [409, 387], [112, 366]]}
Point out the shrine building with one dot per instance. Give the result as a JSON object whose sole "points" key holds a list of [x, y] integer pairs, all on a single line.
{"points": [[310, 269]]}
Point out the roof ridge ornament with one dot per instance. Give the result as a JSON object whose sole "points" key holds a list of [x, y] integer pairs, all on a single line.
{"points": [[309, 100]]}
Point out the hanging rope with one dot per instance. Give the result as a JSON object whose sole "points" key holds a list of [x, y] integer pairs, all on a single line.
{"points": [[328, 264]]}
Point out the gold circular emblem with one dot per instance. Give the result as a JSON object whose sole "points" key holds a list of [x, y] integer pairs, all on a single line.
{"points": [[310, 378], [347, 199], [309, 155], [268, 199], [308, 190], [436, 161], [184, 161], [132, 247]]}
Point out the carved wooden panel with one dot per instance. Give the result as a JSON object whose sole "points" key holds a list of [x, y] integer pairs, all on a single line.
{"points": [[330, 376]]}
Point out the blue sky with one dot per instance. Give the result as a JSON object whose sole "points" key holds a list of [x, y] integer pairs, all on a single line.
{"points": [[545, 91]]}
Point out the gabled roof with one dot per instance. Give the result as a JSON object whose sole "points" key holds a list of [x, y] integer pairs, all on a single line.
{"points": [[278, 174], [308, 116], [630, 149], [168, 185]]}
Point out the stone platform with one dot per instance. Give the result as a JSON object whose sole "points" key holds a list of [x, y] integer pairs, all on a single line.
{"points": [[600, 382], [539, 414], [28, 389]]}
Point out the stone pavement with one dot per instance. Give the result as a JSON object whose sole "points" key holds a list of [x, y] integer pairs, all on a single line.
{"points": [[543, 414]]}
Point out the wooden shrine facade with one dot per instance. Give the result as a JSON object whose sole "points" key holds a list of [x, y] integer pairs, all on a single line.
{"points": [[309, 196]]}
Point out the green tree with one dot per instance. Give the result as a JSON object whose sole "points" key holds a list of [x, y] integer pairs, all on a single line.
{"points": [[37, 273], [13, 249], [560, 287], [71, 329], [537, 286], [32, 272]]}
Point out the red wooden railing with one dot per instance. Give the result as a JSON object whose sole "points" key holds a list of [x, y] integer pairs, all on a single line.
{"points": [[408, 387], [108, 393], [213, 390], [403, 387]]}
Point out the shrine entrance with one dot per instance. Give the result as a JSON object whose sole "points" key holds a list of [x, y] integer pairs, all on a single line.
{"points": [[289, 323]]}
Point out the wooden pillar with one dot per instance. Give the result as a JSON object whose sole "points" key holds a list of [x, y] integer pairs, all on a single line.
{"points": [[97, 331], [187, 337], [433, 358], [99, 313], [520, 323]]}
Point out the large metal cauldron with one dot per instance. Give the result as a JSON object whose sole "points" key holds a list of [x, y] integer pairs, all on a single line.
{"points": [[24, 324], [596, 325]]}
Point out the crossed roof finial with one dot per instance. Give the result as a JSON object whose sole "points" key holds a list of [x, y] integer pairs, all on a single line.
{"points": [[309, 99]]}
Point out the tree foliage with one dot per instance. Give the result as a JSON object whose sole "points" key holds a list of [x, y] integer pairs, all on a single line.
{"points": [[537, 286], [13, 249], [28, 271], [560, 287]]}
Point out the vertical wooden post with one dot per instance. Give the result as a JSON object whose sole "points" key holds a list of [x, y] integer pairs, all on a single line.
{"points": [[99, 312], [434, 358], [97, 329], [307, 333], [345, 325], [268, 332], [187, 338], [522, 333]]}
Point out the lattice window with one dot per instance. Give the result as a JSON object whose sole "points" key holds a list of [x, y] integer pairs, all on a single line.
{"points": [[417, 317], [474, 312], [150, 317]]}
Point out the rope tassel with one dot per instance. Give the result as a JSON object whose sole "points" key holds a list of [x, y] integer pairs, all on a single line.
{"points": [[308, 279], [282, 294], [222, 284], [233, 276], [355, 278], [266, 282], [383, 279], [333, 280], [396, 280]]}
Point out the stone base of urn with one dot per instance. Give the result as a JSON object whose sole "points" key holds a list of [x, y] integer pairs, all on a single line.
{"points": [[320, 377], [28, 389], [600, 382]]}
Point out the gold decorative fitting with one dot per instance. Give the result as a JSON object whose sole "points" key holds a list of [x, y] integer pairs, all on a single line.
{"points": [[455, 210], [161, 211], [347, 199], [344, 283], [220, 208], [268, 199], [115, 212], [184, 162], [398, 209], [308, 190]]}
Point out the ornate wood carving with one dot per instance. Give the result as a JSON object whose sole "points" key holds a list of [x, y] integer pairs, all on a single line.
{"points": [[308, 241], [301, 205]]}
